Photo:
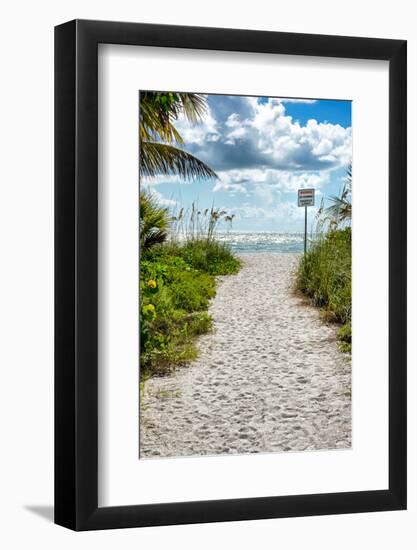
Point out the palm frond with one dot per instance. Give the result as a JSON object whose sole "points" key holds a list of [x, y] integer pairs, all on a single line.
{"points": [[159, 110], [160, 158], [340, 209], [193, 106], [153, 237], [154, 221], [156, 125]]}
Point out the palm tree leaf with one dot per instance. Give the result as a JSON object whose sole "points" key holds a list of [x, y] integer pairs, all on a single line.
{"points": [[340, 209], [154, 221], [153, 126], [194, 106], [156, 123], [153, 237], [160, 158]]}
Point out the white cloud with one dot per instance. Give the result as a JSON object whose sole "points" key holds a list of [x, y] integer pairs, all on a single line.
{"points": [[288, 211], [296, 100], [266, 115], [199, 132], [287, 143], [262, 134], [162, 178], [247, 211], [251, 101], [237, 133], [261, 152], [256, 179], [233, 120], [232, 188], [162, 201]]}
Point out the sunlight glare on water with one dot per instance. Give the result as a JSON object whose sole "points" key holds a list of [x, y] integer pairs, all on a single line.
{"points": [[250, 243]]}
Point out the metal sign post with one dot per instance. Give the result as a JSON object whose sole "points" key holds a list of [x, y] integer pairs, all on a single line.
{"points": [[306, 199], [305, 230]]}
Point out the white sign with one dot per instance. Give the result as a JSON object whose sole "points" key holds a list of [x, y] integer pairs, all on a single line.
{"points": [[306, 197]]}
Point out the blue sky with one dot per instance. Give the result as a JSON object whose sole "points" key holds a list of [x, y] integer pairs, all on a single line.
{"points": [[263, 149]]}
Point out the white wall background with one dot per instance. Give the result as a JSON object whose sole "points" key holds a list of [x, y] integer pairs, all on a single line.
{"points": [[26, 286]]}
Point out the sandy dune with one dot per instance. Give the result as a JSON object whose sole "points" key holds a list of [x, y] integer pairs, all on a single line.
{"points": [[269, 378]]}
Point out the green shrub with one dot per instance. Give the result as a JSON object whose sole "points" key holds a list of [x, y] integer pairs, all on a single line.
{"points": [[325, 275], [210, 256], [176, 285], [192, 290], [202, 254]]}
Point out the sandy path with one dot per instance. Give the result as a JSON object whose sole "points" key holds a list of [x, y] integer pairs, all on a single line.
{"points": [[269, 378]]}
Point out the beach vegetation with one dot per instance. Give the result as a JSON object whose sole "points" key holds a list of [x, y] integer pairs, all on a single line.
{"points": [[325, 276], [153, 221], [325, 271], [177, 282]]}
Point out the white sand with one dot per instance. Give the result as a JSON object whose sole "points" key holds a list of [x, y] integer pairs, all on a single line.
{"points": [[269, 378]]}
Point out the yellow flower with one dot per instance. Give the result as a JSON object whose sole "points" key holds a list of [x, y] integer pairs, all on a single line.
{"points": [[150, 307], [152, 283]]}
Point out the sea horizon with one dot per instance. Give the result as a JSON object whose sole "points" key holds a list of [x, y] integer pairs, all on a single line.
{"points": [[262, 242]]}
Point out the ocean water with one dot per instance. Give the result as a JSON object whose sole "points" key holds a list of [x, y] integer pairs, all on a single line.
{"points": [[252, 243]]}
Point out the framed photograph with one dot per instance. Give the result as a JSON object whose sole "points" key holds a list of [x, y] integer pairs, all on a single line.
{"points": [[230, 254]]}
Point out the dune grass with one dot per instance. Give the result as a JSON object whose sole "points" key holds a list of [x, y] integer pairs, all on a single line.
{"points": [[325, 275]]}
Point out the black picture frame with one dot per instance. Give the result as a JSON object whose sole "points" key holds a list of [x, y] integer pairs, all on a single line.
{"points": [[76, 272]]}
